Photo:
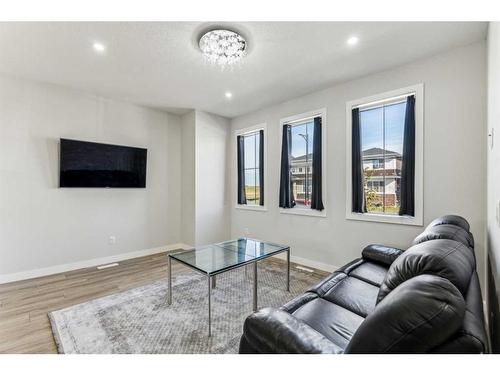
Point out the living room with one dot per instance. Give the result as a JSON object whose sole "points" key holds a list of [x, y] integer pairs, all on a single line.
{"points": [[249, 187]]}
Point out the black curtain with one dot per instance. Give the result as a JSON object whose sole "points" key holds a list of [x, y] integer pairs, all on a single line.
{"points": [[286, 193], [408, 164], [242, 199], [261, 166], [358, 196], [317, 171]]}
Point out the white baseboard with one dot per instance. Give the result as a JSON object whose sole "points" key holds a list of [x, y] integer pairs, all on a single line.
{"points": [[31, 274], [40, 272], [312, 263], [309, 263]]}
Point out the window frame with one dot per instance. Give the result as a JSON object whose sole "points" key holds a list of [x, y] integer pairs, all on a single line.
{"points": [[297, 119], [243, 132], [385, 98]]}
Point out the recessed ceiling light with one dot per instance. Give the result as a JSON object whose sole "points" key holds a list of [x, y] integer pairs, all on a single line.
{"points": [[353, 40], [99, 47], [228, 95], [222, 47]]}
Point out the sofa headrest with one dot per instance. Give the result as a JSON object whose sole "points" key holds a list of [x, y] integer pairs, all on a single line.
{"points": [[445, 258], [417, 316], [448, 232], [452, 220]]}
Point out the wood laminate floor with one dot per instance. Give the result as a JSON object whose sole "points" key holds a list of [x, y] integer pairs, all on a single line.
{"points": [[24, 325]]}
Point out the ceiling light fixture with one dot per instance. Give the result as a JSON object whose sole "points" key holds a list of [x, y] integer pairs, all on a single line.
{"points": [[353, 40], [228, 95], [99, 47], [222, 47]]}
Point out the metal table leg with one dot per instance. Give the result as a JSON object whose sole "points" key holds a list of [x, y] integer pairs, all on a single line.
{"points": [[209, 307], [255, 286], [169, 296], [288, 270]]}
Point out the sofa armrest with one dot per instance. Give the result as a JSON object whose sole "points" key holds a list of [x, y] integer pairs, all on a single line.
{"points": [[381, 254], [276, 331]]}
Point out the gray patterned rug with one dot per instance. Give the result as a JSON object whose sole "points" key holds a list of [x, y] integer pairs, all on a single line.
{"points": [[139, 320]]}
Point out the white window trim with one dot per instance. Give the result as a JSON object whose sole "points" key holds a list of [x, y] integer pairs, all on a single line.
{"points": [[418, 90], [290, 120], [244, 131]]}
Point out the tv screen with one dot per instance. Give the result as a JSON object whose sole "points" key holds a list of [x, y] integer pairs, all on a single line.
{"points": [[89, 164]]}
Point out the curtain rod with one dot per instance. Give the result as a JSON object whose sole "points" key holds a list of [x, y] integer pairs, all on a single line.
{"points": [[393, 99], [303, 119], [253, 131]]}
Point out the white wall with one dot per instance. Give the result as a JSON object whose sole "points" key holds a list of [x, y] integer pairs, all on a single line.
{"points": [[455, 120], [212, 219], [42, 225], [188, 172], [205, 216], [494, 153]]}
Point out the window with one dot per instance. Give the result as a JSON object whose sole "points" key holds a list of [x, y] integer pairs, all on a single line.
{"points": [[385, 157], [301, 158], [382, 128], [251, 168], [250, 147], [376, 164], [302, 173]]}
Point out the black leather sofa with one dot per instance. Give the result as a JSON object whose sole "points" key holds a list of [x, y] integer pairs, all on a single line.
{"points": [[426, 299]]}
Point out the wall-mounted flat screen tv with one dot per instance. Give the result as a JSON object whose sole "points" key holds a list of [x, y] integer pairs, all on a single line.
{"points": [[99, 165]]}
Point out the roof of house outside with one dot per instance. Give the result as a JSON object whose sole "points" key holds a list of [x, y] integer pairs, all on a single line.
{"points": [[376, 152], [301, 158], [371, 153]]}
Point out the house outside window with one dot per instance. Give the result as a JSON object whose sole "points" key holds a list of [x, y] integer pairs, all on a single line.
{"points": [[382, 129], [301, 162]]}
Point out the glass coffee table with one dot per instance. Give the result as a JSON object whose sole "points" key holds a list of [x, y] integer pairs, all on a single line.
{"points": [[214, 259]]}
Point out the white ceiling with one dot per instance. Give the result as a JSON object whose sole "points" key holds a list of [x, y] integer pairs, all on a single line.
{"points": [[159, 64]]}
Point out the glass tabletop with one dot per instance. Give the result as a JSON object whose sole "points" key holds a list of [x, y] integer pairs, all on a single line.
{"points": [[252, 247], [222, 256]]}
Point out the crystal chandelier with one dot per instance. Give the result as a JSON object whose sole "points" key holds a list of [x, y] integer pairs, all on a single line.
{"points": [[222, 47]]}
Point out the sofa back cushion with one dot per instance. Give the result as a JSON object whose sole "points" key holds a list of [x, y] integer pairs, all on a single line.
{"points": [[418, 315], [471, 337], [446, 231], [445, 258], [450, 220]]}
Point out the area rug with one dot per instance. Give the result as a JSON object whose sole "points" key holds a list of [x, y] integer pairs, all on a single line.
{"points": [[140, 321]]}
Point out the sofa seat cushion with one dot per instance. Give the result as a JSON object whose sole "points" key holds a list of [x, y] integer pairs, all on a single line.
{"points": [[328, 283], [354, 295], [333, 321], [298, 301], [370, 272], [275, 331], [355, 287]]}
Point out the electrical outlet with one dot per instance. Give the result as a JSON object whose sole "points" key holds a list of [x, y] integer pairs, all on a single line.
{"points": [[112, 240], [247, 232]]}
